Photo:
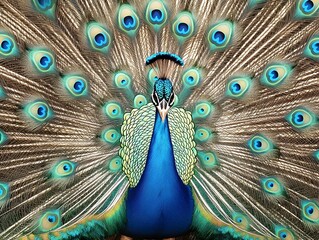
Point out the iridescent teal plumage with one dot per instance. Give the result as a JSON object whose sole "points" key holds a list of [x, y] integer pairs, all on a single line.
{"points": [[4, 193], [8, 45], [98, 38], [158, 119], [42, 61], [38, 111]]}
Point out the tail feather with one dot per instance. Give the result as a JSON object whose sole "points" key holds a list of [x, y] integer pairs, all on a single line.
{"points": [[234, 188]]}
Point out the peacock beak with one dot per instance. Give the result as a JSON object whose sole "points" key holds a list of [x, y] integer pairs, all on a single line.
{"points": [[163, 108]]}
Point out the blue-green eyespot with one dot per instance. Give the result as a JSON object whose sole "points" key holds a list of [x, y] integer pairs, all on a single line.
{"points": [[307, 8], [203, 134], [208, 160], [8, 45], [139, 101], [128, 20], [122, 80], [241, 220], [276, 73], [191, 77], [113, 110], [312, 48], [38, 110], [63, 169], [310, 211], [221, 35], [115, 164], [156, 14], [98, 37], [237, 87], [45, 7], [43, 61], [49, 221], [183, 26], [110, 136], [4, 193], [3, 138], [272, 186], [202, 110], [284, 233], [75, 85], [301, 118], [259, 144]]}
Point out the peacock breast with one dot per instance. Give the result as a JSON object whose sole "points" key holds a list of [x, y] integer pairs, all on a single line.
{"points": [[160, 204]]}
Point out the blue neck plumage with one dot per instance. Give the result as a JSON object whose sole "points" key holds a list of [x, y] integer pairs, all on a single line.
{"points": [[160, 161], [160, 205]]}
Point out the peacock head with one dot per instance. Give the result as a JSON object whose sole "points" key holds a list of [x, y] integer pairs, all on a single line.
{"points": [[163, 96]]}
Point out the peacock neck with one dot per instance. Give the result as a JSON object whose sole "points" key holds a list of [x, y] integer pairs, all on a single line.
{"points": [[160, 161], [160, 205]]}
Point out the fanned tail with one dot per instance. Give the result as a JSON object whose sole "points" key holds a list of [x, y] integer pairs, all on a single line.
{"points": [[73, 72]]}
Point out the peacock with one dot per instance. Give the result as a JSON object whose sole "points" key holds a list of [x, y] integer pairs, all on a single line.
{"points": [[159, 119]]}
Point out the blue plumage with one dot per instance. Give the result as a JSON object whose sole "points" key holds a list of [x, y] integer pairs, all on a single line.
{"points": [[157, 119], [160, 205]]}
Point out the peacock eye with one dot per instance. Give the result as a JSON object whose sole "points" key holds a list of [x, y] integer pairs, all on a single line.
{"points": [[113, 110], [183, 26], [38, 110], [115, 164], [220, 35], [8, 45], [75, 85], [156, 14], [4, 192], [203, 134], [63, 169], [208, 160], [241, 220], [310, 211], [128, 19], [284, 233], [43, 61], [272, 186], [301, 118], [191, 77], [45, 7], [98, 37], [202, 110], [307, 8], [259, 144], [49, 221], [139, 101], [110, 136], [122, 80], [238, 87], [312, 48], [276, 74]]}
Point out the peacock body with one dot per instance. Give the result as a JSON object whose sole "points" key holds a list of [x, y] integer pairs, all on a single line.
{"points": [[157, 119]]}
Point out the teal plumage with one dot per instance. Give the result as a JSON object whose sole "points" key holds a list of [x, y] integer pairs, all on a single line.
{"points": [[159, 119]]}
